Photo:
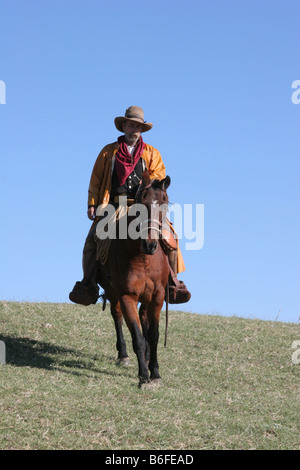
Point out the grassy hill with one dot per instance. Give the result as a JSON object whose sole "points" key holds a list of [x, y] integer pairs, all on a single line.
{"points": [[229, 383]]}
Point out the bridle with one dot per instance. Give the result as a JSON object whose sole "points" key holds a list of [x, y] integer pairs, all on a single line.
{"points": [[149, 224]]}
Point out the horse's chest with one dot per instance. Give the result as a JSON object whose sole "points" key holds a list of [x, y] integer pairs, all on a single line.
{"points": [[145, 281]]}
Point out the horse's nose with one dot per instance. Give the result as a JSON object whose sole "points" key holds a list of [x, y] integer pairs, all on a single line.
{"points": [[149, 247]]}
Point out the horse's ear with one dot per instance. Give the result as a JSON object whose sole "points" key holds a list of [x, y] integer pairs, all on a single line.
{"points": [[166, 183], [146, 180]]}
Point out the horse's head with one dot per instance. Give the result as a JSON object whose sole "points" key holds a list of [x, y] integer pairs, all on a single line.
{"points": [[153, 195]]}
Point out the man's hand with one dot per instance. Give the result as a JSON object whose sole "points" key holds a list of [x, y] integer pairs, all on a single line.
{"points": [[91, 212]]}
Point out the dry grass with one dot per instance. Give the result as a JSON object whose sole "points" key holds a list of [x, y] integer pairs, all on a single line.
{"points": [[229, 383]]}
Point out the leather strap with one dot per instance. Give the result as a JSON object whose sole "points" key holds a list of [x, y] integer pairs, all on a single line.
{"points": [[173, 276], [167, 314]]}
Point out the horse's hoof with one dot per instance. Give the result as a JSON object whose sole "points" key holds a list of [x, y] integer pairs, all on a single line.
{"points": [[157, 382], [123, 361], [152, 384], [145, 385]]}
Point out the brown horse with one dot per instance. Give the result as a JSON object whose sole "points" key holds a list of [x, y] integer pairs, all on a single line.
{"points": [[136, 271]]}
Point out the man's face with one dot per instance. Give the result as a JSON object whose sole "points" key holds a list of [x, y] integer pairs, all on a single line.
{"points": [[132, 131]]}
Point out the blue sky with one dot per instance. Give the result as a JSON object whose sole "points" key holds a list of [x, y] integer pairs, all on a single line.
{"points": [[215, 78]]}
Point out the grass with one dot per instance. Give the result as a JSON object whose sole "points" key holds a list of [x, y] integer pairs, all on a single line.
{"points": [[229, 383]]}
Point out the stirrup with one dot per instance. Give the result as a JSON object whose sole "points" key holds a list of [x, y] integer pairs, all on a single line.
{"points": [[179, 294], [84, 295]]}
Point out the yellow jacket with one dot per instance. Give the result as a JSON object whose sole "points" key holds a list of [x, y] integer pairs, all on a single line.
{"points": [[100, 182]]}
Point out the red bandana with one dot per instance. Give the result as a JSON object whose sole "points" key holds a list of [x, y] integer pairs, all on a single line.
{"points": [[125, 163]]}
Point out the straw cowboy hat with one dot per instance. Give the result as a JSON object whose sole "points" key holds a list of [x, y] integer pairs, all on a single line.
{"points": [[136, 114]]}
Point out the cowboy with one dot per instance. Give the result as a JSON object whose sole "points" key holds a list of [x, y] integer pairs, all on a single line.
{"points": [[117, 172]]}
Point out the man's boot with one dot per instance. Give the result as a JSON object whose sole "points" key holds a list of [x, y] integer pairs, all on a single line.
{"points": [[86, 292], [178, 293]]}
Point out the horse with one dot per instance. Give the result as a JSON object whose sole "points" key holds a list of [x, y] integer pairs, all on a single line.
{"points": [[137, 271]]}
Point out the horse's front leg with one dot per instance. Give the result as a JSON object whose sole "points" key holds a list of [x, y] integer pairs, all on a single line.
{"points": [[129, 310], [121, 344], [145, 326], [154, 310]]}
